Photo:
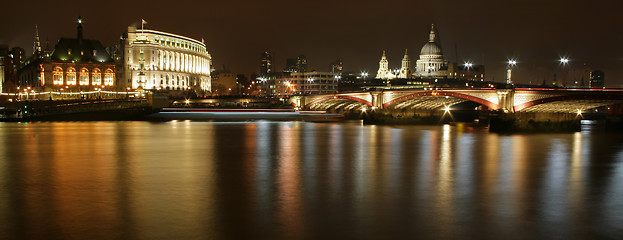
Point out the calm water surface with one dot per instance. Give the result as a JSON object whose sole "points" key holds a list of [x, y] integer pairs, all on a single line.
{"points": [[297, 180]]}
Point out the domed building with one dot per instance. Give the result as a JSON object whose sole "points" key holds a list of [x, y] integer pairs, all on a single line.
{"points": [[431, 63]]}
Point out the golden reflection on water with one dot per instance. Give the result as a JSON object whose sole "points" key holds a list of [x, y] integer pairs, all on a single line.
{"points": [[289, 185], [445, 178], [292, 180]]}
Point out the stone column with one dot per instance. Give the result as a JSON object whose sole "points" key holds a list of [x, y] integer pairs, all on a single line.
{"points": [[506, 100]]}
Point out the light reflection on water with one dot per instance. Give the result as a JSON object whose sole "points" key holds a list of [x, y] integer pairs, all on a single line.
{"points": [[293, 180]]}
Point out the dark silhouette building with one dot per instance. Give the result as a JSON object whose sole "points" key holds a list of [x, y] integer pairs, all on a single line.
{"points": [[597, 79], [266, 63]]}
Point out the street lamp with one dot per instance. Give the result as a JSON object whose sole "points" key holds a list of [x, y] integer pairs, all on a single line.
{"points": [[509, 71], [564, 61], [468, 65]]}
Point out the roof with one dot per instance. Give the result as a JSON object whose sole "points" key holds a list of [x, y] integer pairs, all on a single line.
{"points": [[71, 49], [431, 48]]}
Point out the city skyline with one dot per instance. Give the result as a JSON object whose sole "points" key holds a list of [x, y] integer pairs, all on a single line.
{"points": [[482, 32]]}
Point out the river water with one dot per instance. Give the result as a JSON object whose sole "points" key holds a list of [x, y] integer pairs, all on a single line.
{"points": [[300, 180]]}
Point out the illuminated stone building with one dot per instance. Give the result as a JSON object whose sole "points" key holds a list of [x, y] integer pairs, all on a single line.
{"points": [[159, 60], [306, 83], [384, 72], [74, 65], [432, 63]]}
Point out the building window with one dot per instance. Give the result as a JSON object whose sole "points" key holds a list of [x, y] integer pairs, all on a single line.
{"points": [[71, 76], [57, 76], [84, 77], [109, 77], [96, 78]]}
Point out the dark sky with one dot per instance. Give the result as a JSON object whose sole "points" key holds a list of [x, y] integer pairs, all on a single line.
{"points": [[537, 33]]}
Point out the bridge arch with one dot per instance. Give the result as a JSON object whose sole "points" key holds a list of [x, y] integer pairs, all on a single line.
{"points": [[484, 102], [337, 99], [573, 102]]}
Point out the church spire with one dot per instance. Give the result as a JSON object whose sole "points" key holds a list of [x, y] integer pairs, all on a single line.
{"points": [[432, 34], [37, 44]]}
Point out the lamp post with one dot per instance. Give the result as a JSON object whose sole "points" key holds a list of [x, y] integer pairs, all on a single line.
{"points": [[564, 61], [468, 65], [509, 71], [364, 75]]}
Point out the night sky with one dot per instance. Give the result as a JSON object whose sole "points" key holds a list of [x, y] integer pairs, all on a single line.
{"points": [[537, 33]]}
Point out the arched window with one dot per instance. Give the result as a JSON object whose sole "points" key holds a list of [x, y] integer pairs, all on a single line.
{"points": [[71, 76], [57, 76], [84, 77], [96, 77], [109, 77]]}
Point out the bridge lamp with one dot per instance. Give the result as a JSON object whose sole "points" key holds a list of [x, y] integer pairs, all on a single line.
{"points": [[363, 109], [509, 70], [564, 60], [579, 112], [446, 109]]}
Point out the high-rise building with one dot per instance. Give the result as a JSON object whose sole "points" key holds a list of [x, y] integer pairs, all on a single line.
{"points": [[336, 66], [597, 79], [266, 63], [298, 64], [290, 65], [4, 62], [301, 63]]}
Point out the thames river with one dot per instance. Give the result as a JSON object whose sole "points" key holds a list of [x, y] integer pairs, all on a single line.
{"points": [[301, 180]]}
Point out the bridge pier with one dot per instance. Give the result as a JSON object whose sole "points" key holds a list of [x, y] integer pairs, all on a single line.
{"points": [[377, 100], [534, 122], [506, 100]]}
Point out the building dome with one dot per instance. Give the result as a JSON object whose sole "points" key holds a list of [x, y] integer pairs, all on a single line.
{"points": [[431, 48]]}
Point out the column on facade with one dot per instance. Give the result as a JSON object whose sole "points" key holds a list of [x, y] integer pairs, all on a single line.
{"points": [[207, 66], [203, 65], [189, 69], [190, 62], [182, 63], [194, 64], [186, 62], [168, 60], [159, 59]]}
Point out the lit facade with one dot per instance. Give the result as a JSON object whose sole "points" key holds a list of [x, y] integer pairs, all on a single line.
{"points": [[75, 65], [306, 83], [431, 63], [164, 61], [384, 72]]}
